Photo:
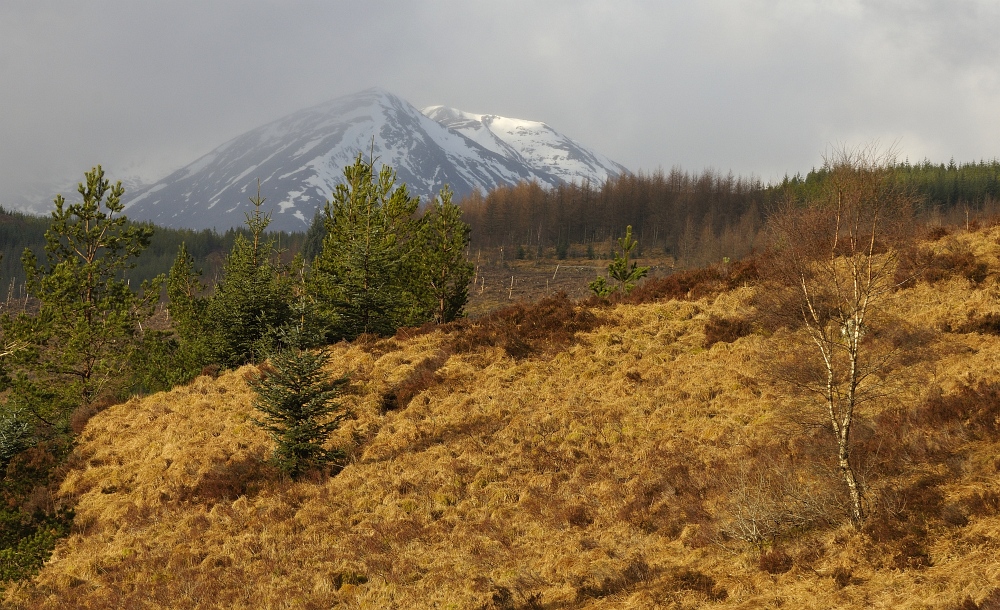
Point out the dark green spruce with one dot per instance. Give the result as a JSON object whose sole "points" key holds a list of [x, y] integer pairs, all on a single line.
{"points": [[444, 239], [297, 402], [364, 276], [251, 300]]}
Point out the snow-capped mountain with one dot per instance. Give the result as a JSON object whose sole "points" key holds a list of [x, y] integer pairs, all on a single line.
{"points": [[299, 160], [530, 143]]}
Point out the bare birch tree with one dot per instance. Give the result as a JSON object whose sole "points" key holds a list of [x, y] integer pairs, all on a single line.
{"points": [[834, 257]]}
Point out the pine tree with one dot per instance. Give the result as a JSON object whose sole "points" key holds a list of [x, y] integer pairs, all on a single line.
{"points": [[188, 312], [186, 307], [363, 276], [444, 238], [619, 270], [87, 328], [313, 244], [296, 399], [77, 349], [251, 300]]}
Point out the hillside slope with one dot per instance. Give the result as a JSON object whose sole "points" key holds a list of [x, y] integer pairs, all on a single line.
{"points": [[567, 459]]}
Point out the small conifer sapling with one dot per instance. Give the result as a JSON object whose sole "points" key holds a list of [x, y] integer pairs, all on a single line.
{"points": [[625, 275], [297, 401]]}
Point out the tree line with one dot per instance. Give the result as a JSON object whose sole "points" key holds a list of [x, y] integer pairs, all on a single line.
{"points": [[208, 247], [939, 187], [697, 218], [677, 213]]}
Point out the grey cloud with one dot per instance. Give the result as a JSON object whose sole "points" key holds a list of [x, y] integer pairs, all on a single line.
{"points": [[753, 86]]}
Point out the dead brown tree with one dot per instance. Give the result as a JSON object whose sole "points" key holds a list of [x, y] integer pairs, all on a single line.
{"points": [[833, 258]]}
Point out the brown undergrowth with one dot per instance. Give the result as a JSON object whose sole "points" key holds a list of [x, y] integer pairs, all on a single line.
{"points": [[697, 283], [636, 455]]}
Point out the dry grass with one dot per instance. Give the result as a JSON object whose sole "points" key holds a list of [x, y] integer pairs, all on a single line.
{"points": [[597, 469]]}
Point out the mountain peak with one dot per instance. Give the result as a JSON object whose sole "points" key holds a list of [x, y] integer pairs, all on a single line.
{"points": [[299, 160]]}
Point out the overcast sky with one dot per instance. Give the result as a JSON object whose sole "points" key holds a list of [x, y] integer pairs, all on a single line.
{"points": [[756, 87]]}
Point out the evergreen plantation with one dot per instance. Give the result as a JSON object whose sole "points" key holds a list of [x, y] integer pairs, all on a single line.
{"points": [[255, 419]]}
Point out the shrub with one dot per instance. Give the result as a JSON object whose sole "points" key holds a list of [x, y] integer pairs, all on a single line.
{"points": [[986, 325], [522, 329], [696, 283], [932, 267], [725, 330]]}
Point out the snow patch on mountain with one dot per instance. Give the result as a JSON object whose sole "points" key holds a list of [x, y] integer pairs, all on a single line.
{"points": [[532, 143]]}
